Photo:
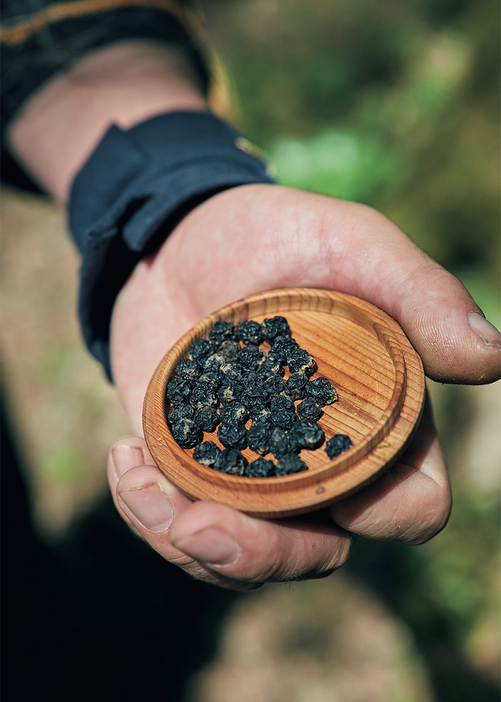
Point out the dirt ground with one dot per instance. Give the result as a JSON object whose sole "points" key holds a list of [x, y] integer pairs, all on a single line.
{"points": [[304, 642]]}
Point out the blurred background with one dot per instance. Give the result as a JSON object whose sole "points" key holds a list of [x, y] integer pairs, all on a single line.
{"points": [[394, 104]]}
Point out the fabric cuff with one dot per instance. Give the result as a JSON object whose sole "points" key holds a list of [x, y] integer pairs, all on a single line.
{"points": [[133, 190]]}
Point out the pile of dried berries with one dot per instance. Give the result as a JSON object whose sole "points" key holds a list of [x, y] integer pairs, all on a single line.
{"points": [[229, 372]]}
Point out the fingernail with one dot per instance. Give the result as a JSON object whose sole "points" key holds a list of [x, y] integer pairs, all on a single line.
{"points": [[125, 457], [148, 505], [212, 546], [485, 330]]}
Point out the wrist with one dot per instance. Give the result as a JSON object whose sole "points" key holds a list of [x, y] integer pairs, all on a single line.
{"points": [[123, 84]]}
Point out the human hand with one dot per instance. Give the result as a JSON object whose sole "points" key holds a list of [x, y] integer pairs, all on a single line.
{"points": [[253, 238]]}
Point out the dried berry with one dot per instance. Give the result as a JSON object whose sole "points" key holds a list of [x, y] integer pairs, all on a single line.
{"points": [[258, 437], [289, 464], [282, 442], [221, 331], [231, 372], [309, 409], [282, 347], [232, 435], [273, 327], [338, 445], [180, 411], [233, 413], [295, 386], [179, 390], [211, 378], [250, 357], [281, 404], [199, 350], [203, 395], [247, 381], [206, 418], [249, 401], [309, 434], [206, 453], [302, 362], [283, 419], [229, 392], [249, 332], [230, 461], [270, 365], [229, 350], [273, 386], [186, 433], [213, 363], [260, 468], [259, 413], [253, 384], [322, 391], [187, 369]]}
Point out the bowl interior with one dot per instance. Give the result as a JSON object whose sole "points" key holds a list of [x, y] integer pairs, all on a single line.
{"points": [[359, 349]]}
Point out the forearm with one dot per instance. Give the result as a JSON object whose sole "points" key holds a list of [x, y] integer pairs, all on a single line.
{"points": [[59, 126]]}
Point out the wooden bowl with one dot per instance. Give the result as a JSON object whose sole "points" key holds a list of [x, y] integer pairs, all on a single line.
{"points": [[369, 360]]}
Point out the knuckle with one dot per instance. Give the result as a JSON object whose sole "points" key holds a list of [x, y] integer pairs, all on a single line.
{"points": [[339, 558]]}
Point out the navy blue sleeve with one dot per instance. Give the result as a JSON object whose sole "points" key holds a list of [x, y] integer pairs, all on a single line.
{"points": [[133, 190]]}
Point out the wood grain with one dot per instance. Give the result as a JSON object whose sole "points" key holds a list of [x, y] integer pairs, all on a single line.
{"points": [[361, 350]]}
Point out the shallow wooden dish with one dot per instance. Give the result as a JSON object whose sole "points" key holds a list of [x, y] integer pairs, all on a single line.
{"points": [[364, 353]]}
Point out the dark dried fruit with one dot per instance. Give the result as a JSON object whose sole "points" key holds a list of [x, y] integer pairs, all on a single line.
{"points": [[213, 363], [295, 386], [180, 411], [249, 400], [233, 413], [206, 453], [282, 347], [273, 386], [289, 464], [250, 357], [309, 409], [281, 404], [203, 395], [249, 332], [206, 418], [253, 384], [270, 365], [229, 392], [282, 442], [187, 369], [211, 378], [258, 437], [186, 433], [231, 372], [260, 413], [322, 391], [283, 419], [273, 327], [302, 362], [199, 350], [179, 390], [338, 445], [247, 381], [232, 435], [221, 331], [260, 468], [229, 350], [230, 461], [309, 434]]}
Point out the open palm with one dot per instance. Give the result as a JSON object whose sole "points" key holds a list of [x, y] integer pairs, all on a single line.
{"points": [[254, 238]]}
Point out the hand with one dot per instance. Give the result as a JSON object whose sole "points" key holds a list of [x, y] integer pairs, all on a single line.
{"points": [[253, 238]]}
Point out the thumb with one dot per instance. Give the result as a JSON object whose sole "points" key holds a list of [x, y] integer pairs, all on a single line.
{"points": [[372, 258]]}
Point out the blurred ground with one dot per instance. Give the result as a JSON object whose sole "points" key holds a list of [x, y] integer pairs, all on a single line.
{"points": [[393, 107]]}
